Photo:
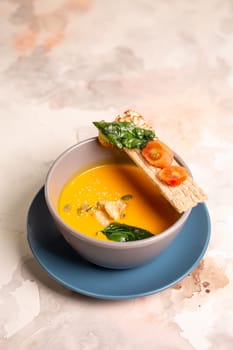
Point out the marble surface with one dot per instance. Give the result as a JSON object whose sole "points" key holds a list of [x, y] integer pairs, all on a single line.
{"points": [[65, 63]]}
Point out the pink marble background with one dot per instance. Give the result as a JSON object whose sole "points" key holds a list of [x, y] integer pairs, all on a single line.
{"points": [[65, 63]]}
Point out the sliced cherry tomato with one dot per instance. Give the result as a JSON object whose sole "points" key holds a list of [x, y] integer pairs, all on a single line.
{"points": [[104, 141], [173, 175], [157, 154]]}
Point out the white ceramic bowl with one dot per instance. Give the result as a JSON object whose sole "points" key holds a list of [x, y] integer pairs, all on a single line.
{"points": [[116, 255]]}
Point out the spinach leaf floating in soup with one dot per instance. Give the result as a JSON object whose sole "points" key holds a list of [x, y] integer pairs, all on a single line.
{"points": [[125, 134], [124, 233]]}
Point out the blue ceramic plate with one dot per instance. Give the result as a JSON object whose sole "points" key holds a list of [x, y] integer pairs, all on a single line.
{"points": [[63, 264]]}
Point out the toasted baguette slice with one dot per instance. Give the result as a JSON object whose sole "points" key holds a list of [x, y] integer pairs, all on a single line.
{"points": [[182, 197]]}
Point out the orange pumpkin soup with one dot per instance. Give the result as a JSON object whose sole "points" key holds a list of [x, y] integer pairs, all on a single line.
{"points": [[122, 192]]}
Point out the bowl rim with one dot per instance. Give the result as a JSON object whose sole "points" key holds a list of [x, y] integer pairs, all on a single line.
{"points": [[101, 243]]}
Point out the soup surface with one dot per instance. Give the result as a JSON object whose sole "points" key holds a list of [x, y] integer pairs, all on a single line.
{"points": [[144, 207]]}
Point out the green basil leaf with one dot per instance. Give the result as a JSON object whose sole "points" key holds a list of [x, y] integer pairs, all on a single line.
{"points": [[125, 134], [124, 233]]}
